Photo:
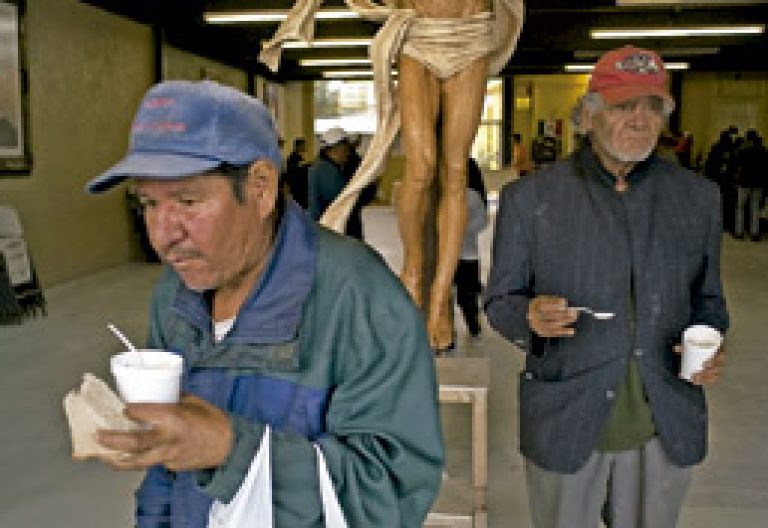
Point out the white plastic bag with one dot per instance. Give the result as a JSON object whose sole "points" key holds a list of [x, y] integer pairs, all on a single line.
{"points": [[251, 506], [334, 516]]}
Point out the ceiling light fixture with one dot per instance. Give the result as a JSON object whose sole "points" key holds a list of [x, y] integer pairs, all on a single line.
{"points": [[581, 68], [327, 43], [698, 31], [347, 73], [335, 74], [334, 62], [268, 17]]}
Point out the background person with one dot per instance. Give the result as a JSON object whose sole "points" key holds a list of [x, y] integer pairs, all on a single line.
{"points": [[326, 176], [297, 172], [521, 162], [720, 167], [354, 227], [751, 162], [604, 417], [280, 322], [467, 278]]}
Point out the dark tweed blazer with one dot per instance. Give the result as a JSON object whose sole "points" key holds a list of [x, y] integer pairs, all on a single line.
{"points": [[565, 231]]}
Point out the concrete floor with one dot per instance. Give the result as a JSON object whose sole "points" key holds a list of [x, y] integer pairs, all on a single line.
{"points": [[43, 358]]}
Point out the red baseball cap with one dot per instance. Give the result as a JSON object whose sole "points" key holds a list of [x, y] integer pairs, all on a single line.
{"points": [[629, 72]]}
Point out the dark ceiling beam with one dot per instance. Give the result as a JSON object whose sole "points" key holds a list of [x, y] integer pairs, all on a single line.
{"points": [[553, 31]]}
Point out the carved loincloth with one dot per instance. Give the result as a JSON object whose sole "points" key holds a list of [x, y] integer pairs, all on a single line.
{"points": [[444, 46]]}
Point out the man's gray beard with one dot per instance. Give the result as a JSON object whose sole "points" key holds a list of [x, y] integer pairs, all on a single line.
{"points": [[628, 158]]}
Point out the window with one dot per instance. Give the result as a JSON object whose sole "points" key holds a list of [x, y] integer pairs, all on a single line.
{"points": [[351, 105], [486, 148]]}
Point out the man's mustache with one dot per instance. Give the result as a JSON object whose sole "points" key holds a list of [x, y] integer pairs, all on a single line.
{"points": [[175, 253]]}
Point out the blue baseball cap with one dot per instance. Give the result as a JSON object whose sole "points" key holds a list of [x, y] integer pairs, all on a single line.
{"points": [[184, 128]]}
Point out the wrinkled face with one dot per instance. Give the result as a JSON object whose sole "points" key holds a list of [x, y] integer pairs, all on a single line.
{"points": [[198, 227], [627, 132], [339, 152]]}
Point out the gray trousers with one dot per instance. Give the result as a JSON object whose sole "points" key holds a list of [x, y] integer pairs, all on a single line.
{"points": [[753, 197], [639, 488]]}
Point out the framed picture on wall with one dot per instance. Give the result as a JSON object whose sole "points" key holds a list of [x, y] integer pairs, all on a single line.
{"points": [[15, 157]]}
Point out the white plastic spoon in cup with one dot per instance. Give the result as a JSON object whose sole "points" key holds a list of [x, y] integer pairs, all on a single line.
{"points": [[122, 337]]}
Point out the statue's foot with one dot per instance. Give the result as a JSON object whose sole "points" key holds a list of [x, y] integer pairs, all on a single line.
{"points": [[440, 326], [412, 282]]}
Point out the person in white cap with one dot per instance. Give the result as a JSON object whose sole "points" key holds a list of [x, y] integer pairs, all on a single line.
{"points": [[326, 175], [606, 423]]}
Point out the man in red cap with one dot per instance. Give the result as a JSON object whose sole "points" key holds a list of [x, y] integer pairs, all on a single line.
{"points": [[607, 426]]}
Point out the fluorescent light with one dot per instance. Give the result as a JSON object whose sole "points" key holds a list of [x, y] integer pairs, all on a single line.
{"points": [[698, 31], [329, 14], [334, 62], [347, 73], [579, 67], [327, 43], [589, 67], [334, 74], [266, 17]]}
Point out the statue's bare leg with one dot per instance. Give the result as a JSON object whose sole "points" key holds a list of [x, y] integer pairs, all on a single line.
{"points": [[462, 99], [419, 93]]}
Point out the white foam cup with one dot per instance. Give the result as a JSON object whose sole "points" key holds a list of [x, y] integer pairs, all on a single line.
{"points": [[700, 343], [148, 376]]}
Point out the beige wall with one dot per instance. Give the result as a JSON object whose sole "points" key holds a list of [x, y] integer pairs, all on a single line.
{"points": [[179, 64], [711, 102], [297, 106], [87, 71]]}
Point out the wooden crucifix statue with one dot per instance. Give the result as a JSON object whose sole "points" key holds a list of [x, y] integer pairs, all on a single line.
{"points": [[445, 51]]}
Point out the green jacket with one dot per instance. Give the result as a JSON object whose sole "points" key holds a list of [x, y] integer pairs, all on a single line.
{"points": [[328, 349]]}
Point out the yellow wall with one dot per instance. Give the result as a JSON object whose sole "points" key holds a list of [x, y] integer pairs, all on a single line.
{"points": [[711, 102], [87, 72], [550, 97]]}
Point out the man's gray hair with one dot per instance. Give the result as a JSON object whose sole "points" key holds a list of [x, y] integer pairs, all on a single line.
{"points": [[593, 102]]}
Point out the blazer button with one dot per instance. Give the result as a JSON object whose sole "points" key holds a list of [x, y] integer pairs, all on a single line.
{"points": [[638, 352], [609, 394], [529, 375]]}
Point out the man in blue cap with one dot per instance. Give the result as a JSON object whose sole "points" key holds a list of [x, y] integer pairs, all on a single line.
{"points": [[283, 326]]}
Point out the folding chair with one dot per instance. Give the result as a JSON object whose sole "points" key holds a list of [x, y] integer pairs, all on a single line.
{"points": [[20, 292]]}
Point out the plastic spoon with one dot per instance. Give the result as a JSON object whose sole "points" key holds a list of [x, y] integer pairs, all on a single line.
{"points": [[593, 313]]}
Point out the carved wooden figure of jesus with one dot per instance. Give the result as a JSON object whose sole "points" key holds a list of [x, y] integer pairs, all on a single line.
{"points": [[450, 108], [445, 50]]}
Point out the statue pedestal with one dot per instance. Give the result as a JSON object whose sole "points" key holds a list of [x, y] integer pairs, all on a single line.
{"points": [[462, 503]]}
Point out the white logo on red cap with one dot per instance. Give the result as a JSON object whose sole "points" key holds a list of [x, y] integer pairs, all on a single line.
{"points": [[642, 64]]}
